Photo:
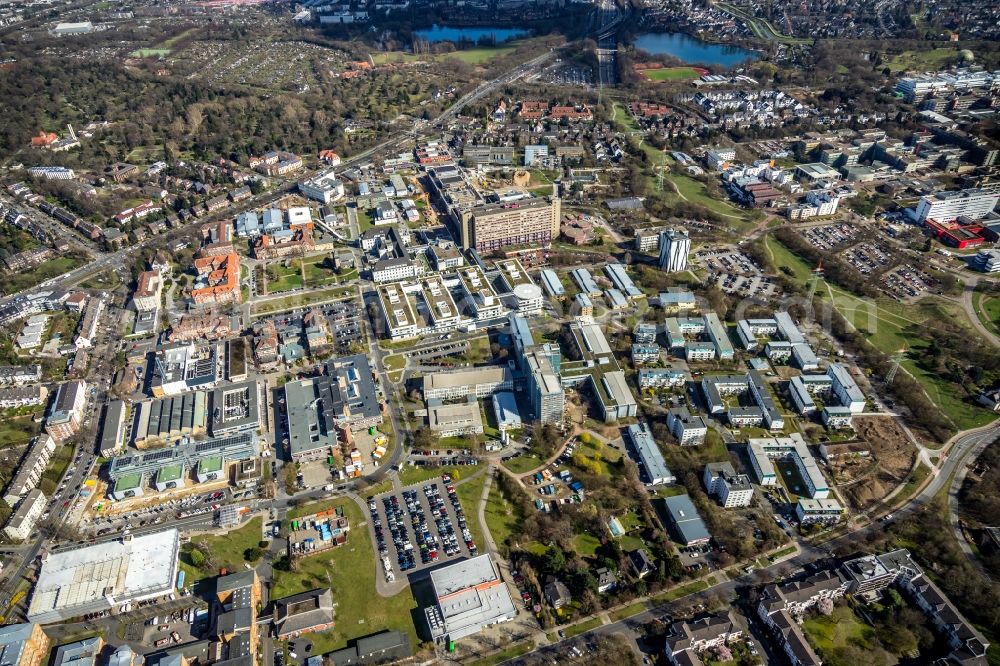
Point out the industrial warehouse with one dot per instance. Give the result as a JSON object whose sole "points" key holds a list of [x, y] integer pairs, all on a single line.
{"points": [[74, 582]]}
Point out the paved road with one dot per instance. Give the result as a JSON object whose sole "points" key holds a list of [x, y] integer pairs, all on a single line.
{"points": [[970, 310]]}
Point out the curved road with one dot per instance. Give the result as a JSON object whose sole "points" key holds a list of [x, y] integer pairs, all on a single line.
{"points": [[969, 306]]}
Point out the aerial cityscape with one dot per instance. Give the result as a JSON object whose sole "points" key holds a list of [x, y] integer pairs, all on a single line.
{"points": [[523, 332]]}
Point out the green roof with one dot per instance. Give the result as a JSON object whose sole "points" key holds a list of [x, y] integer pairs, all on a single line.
{"points": [[210, 464], [169, 473], [128, 482]]}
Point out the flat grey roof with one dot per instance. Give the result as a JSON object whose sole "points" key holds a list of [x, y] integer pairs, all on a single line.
{"points": [[685, 517]]}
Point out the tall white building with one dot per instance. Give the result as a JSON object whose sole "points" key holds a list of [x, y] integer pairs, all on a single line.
{"points": [[974, 203], [674, 249]]}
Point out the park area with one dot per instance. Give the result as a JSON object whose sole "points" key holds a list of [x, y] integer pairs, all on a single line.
{"points": [[301, 272]]}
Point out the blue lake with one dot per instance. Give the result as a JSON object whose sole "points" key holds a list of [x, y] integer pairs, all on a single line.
{"points": [[448, 33], [693, 51]]}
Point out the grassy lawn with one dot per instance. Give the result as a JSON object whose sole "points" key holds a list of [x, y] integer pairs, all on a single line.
{"points": [[226, 549], [694, 190], [476, 56], [915, 480], [314, 507], [376, 489], [411, 475], [506, 655], [56, 469], [104, 280], [924, 60], [150, 53], [629, 542], [782, 553], [394, 362], [469, 494], [349, 571], [988, 311], [522, 464], [284, 278], [840, 628], [624, 119], [11, 283], [502, 518], [478, 351], [628, 611], [17, 431], [671, 74], [583, 627], [586, 544], [680, 591], [301, 300]]}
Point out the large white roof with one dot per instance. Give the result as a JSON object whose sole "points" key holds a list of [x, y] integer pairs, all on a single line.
{"points": [[121, 570]]}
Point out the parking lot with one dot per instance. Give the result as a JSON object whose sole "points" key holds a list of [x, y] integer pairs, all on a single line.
{"points": [[907, 281], [868, 257], [743, 285], [728, 261], [419, 527], [829, 236]]}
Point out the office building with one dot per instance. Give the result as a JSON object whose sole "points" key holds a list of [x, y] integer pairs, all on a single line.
{"points": [[66, 413], [324, 188], [381, 648], [234, 617], [469, 596], [490, 227], [725, 485], [987, 261], [185, 367], [76, 581], [548, 399], [647, 240], [128, 470], [480, 382], [112, 428], [456, 419], [506, 412], [345, 396], [675, 246], [972, 203], [651, 463]]}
